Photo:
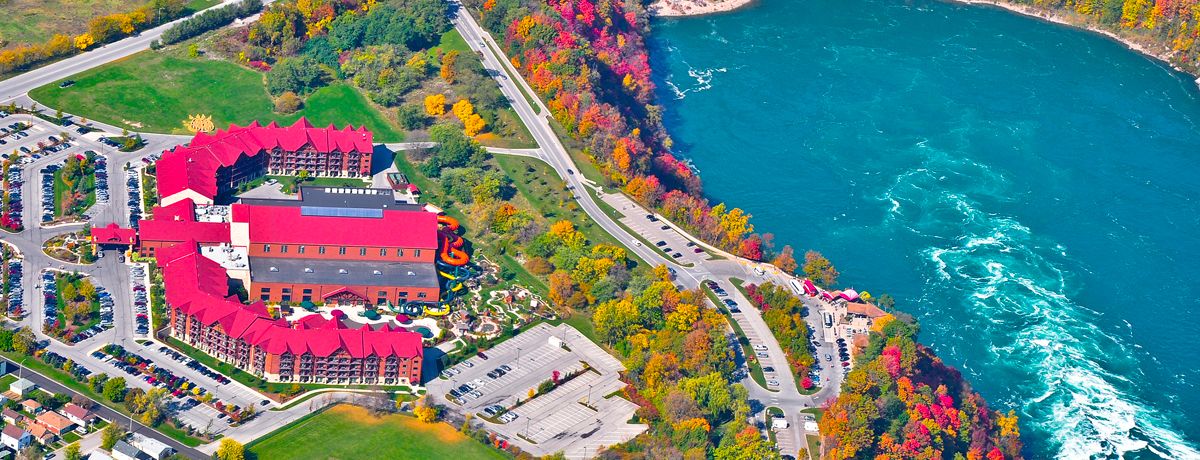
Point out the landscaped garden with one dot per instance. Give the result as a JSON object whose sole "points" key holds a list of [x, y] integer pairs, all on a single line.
{"points": [[70, 247], [76, 305], [75, 185], [341, 432]]}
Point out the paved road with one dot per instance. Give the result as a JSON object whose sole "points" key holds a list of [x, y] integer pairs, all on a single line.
{"points": [[107, 413]]}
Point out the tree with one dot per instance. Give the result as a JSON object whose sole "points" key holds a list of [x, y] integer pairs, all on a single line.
{"points": [[114, 389], [785, 260], [288, 102], [425, 412], [24, 341], [447, 72], [193, 50], [231, 450], [410, 117], [300, 75], [72, 452], [111, 434], [435, 104], [819, 269]]}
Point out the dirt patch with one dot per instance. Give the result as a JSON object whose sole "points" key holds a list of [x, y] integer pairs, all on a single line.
{"points": [[441, 431]]}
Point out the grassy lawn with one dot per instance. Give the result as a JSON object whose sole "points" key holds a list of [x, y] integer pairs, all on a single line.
{"points": [[155, 91], [7, 380], [71, 437], [452, 41], [343, 431], [197, 5], [35, 21], [814, 447], [60, 190], [547, 195]]}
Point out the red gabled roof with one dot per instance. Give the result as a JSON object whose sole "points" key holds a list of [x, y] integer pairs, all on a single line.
{"points": [[288, 225], [114, 234], [181, 230], [179, 210], [194, 166], [197, 286]]}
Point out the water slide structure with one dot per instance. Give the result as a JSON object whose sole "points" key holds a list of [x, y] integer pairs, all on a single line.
{"points": [[453, 264]]}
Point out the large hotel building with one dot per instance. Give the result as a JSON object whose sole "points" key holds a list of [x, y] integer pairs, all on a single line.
{"points": [[327, 246]]}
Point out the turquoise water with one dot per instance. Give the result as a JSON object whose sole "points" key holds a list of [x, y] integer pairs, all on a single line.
{"points": [[1025, 190]]}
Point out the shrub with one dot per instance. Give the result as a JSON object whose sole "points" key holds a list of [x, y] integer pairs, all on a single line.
{"points": [[288, 102], [412, 116]]}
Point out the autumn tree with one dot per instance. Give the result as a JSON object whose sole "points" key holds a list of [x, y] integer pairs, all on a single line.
{"points": [[288, 102], [819, 269], [785, 260], [231, 450], [435, 104], [111, 434], [447, 71]]}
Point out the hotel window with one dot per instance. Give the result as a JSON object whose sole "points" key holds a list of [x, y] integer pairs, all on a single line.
{"points": [[416, 253], [307, 298], [300, 249], [266, 248], [362, 251], [382, 293], [342, 250], [381, 301], [320, 249], [402, 295], [399, 253], [420, 295], [382, 252], [285, 298], [287, 290], [308, 291], [283, 249]]}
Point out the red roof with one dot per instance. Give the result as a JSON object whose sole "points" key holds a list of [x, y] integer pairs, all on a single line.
{"points": [[287, 225], [114, 234], [179, 210], [182, 230], [194, 166], [196, 285]]}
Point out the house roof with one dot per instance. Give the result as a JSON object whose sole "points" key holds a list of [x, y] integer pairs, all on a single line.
{"points": [[11, 413], [180, 230], [338, 226], [865, 309], [114, 234], [77, 411], [54, 420], [14, 431], [125, 448], [39, 431], [31, 404], [194, 166], [196, 285]]}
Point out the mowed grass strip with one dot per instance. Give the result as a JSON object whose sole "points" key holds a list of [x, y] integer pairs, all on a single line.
{"points": [[154, 91], [351, 432]]}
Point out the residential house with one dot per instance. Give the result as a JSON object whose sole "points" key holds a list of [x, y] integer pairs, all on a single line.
{"points": [[152, 447], [98, 455], [42, 434], [54, 421], [79, 415], [124, 451], [15, 438], [12, 417], [31, 406]]}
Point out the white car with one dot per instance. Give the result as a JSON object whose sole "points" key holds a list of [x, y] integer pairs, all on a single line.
{"points": [[760, 347], [772, 383]]}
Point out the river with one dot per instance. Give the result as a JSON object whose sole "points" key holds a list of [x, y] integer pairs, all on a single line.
{"points": [[1023, 189]]}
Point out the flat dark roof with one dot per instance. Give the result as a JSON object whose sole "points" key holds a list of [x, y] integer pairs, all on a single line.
{"points": [[339, 197], [357, 273]]}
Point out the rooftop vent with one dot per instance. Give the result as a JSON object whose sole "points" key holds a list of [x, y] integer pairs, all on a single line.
{"points": [[274, 269], [343, 271], [308, 270], [376, 272]]}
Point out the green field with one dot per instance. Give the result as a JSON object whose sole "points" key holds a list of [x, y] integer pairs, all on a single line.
{"points": [[341, 432], [154, 91]]}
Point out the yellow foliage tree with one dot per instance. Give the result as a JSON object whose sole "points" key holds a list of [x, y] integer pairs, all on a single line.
{"points": [[425, 414], [84, 40], [474, 124], [435, 104], [463, 109]]}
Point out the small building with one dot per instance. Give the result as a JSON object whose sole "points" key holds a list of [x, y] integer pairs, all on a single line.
{"points": [[112, 236], [12, 417], [154, 448], [779, 423], [3, 400], [98, 455], [55, 422], [124, 451], [31, 406], [42, 434], [15, 438], [22, 387], [79, 415]]}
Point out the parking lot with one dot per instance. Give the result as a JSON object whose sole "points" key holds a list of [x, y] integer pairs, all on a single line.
{"points": [[659, 233], [574, 417]]}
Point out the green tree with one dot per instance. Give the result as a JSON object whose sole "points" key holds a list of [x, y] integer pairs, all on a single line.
{"points": [[72, 452], [24, 341], [819, 269], [111, 434], [300, 75], [114, 389]]}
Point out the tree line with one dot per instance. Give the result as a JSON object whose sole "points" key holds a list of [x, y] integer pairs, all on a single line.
{"points": [[210, 20]]}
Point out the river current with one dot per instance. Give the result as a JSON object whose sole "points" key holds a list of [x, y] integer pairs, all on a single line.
{"points": [[1023, 189]]}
